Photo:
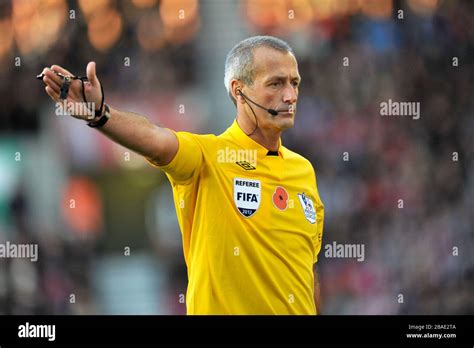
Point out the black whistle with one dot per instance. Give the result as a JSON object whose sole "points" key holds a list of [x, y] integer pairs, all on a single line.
{"points": [[65, 88], [40, 76]]}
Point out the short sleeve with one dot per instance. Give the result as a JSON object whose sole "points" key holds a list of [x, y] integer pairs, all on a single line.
{"points": [[187, 161], [319, 223]]}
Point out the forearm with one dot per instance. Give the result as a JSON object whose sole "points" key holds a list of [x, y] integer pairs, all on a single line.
{"points": [[137, 133], [317, 291]]}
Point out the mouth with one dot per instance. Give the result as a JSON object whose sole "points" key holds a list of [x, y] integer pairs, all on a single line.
{"points": [[286, 113], [287, 110]]}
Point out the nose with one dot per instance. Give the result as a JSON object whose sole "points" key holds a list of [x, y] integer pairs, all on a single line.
{"points": [[290, 94]]}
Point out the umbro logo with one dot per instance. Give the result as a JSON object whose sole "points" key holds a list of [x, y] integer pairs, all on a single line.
{"points": [[246, 165]]}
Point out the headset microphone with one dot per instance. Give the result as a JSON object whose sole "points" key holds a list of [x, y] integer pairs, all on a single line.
{"points": [[272, 112]]}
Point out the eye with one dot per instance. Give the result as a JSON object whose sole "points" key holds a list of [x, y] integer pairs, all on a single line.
{"points": [[295, 83], [276, 84]]}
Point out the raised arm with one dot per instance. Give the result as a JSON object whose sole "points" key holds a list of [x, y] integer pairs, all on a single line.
{"points": [[131, 130]]}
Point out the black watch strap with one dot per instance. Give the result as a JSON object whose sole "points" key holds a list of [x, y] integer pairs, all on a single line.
{"points": [[103, 120]]}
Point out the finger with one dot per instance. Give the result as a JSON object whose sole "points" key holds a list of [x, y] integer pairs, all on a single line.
{"points": [[44, 71], [61, 70], [91, 74], [53, 84], [54, 95], [52, 77]]}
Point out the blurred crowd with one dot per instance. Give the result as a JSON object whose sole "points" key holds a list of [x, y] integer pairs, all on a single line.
{"points": [[420, 247], [402, 187]]}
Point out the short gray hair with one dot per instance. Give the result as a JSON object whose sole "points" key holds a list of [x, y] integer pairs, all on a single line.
{"points": [[239, 61]]}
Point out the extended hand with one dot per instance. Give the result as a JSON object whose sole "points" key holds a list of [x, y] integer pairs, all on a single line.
{"points": [[75, 99]]}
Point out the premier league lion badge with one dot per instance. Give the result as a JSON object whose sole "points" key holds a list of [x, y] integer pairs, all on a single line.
{"points": [[308, 207]]}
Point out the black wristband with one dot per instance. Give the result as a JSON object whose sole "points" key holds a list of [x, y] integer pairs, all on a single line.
{"points": [[103, 120]]}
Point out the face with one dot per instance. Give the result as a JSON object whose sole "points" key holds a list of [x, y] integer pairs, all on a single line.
{"points": [[275, 86]]}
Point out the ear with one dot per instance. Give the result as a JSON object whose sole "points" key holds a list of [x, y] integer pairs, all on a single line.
{"points": [[235, 88]]}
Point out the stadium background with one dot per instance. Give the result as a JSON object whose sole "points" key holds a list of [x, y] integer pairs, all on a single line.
{"points": [[104, 220]]}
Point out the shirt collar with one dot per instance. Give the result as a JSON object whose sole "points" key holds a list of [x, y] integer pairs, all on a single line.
{"points": [[248, 143]]}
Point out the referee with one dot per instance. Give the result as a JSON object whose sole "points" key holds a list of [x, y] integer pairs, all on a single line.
{"points": [[249, 209]]}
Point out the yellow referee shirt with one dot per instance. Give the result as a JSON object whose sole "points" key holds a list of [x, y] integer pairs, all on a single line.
{"points": [[251, 223]]}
